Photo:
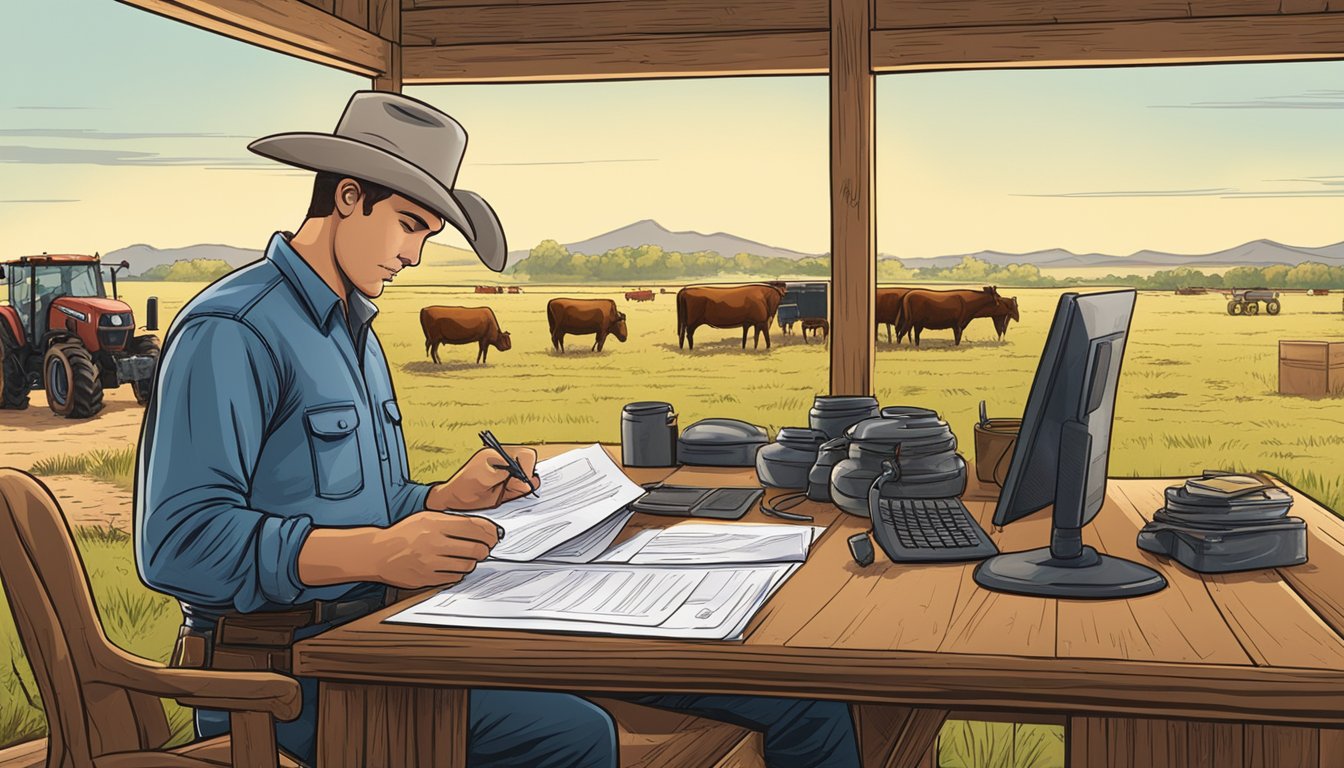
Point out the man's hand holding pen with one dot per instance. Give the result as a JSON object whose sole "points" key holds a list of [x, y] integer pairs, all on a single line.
{"points": [[428, 548], [484, 482]]}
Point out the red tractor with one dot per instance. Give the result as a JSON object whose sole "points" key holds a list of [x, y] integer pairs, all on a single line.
{"points": [[61, 332]]}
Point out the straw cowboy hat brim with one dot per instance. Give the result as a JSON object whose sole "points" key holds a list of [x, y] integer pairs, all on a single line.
{"points": [[407, 146]]}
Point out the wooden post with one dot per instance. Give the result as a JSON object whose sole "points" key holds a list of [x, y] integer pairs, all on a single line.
{"points": [[853, 227], [385, 21], [391, 78]]}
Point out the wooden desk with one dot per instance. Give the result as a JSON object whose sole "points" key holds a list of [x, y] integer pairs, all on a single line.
{"points": [[1219, 671]]}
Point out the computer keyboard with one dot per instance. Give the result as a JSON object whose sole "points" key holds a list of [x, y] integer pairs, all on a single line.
{"points": [[929, 530]]}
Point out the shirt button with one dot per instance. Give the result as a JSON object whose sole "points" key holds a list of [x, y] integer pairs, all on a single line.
{"points": [[341, 424]]}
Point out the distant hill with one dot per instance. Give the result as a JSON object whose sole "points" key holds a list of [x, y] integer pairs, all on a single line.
{"points": [[1255, 253], [144, 257], [650, 232]]}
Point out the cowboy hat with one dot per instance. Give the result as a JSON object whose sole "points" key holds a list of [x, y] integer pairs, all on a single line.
{"points": [[407, 146]]}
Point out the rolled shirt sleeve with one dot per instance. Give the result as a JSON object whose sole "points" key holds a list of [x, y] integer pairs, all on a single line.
{"points": [[408, 500], [196, 537]]}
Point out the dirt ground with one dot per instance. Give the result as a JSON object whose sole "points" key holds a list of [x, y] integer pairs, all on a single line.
{"points": [[36, 433]]}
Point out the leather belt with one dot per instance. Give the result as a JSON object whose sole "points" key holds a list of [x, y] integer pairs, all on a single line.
{"points": [[259, 641]]}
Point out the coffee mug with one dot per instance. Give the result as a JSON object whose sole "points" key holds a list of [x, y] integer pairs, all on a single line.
{"points": [[995, 440]]}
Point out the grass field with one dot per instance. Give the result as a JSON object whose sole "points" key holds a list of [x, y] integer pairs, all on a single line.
{"points": [[1198, 391]]}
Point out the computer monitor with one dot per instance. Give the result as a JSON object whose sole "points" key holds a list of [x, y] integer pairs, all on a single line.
{"points": [[1061, 458]]}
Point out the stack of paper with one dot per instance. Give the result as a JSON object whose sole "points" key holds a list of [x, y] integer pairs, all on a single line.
{"points": [[690, 580]]}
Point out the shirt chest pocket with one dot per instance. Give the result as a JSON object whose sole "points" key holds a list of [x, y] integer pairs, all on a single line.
{"points": [[396, 442], [333, 437]]}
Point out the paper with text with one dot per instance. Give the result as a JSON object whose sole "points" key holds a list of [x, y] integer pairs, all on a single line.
{"points": [[716, 543], [580, 490], [649, 601]]}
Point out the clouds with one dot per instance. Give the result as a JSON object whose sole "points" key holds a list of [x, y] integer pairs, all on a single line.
{"points": [[98, 134], [597, 161], [27, 155], [1323, 186], [1314, 99]]}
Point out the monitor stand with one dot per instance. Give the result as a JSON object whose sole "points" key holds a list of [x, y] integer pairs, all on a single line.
{"points": [[1087, 574]]}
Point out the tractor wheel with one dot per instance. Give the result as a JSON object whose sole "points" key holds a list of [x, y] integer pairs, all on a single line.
{"points": [[1235, 308], [1252, 307], [13, 379], [73, 387], [1272, 307], [144, 345]]}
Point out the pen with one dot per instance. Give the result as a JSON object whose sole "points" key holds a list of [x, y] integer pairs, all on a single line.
{"points": [[514, 469]]}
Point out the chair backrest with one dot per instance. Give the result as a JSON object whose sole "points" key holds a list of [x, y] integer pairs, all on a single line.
{"points": [[48, 591]]}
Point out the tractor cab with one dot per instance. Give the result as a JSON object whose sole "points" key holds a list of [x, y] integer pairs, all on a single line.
{"points": [[61, 332], [35, 283]]}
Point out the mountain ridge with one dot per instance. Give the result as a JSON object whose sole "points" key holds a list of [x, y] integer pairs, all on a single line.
{"points": [[1259, 252]]}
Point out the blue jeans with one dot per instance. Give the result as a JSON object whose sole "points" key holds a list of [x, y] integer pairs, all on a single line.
{"points": [[534, 729]]}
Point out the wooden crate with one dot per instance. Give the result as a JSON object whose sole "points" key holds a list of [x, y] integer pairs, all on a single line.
{"points": [[1311, 368]]}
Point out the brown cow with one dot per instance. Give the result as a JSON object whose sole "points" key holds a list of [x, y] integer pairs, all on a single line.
{"points": [[584, 316], [955, 309], [748, 306], [815, 324], [888, 308], [462, 325]]}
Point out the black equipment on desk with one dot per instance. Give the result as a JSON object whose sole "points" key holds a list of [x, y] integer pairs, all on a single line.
{"points": [[924, 530], [687, 501]]}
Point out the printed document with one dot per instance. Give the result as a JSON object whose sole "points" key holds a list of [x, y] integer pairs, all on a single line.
{"points": [[712, 603], [690, 580], [576, 513]]}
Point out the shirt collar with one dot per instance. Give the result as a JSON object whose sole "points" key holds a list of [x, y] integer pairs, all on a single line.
{"points": [[317, 297]]}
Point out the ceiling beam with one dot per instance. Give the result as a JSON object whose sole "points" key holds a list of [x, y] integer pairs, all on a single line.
{"points": [[1301, 37], [727, 54], [288, 26]]}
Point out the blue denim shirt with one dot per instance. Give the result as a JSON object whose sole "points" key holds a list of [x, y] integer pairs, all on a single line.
{"points": [[272, 413]]}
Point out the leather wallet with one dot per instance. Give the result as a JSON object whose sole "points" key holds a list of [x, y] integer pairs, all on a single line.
{"points": [[688, 501]]}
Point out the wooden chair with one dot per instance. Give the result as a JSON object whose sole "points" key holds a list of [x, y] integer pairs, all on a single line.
{"points": [[102, 704]]}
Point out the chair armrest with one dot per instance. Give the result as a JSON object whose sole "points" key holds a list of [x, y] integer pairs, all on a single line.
{"points": [[267, 692]]}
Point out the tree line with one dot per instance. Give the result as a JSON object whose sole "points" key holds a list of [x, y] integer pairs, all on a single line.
{"points": [[550, 260]]}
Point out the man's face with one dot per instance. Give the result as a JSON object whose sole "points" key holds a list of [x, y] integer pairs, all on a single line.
{"points": [[371, 249]]}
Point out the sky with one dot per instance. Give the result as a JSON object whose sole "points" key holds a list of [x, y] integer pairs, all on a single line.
{"points": [[120, 127]]}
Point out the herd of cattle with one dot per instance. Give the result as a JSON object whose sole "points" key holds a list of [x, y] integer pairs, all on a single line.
{"points": [[752, 308]]}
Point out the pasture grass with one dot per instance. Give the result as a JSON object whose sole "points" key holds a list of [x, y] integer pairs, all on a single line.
{"points": [[1198, 392], [113, 465]]}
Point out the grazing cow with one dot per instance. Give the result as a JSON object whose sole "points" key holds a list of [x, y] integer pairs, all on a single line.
{"points": [[1001, 314], [639, 295], [515, 289], [489, 289], [747, 306], [940, 310], [888, 308], [584, 316], [463, 325], [815, 324]]}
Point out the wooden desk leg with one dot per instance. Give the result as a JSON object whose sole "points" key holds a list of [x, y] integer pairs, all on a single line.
{"points": [[387, 726], [1119, 742], [896, 737]]}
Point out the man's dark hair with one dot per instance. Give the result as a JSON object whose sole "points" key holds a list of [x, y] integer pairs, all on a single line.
{"points": [[324, 194]]}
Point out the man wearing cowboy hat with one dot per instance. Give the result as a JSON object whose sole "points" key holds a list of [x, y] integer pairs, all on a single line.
{"points": [[272, 491]]}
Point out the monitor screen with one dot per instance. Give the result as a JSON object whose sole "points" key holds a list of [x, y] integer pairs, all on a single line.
{"points": [[1075, 385]]}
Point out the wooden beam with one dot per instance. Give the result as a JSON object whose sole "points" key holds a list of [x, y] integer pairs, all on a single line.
{"points": [[354, 11], [896, 14], [781, 53], [487, 24], [288, 26], [1185, 41], [853, 223], [385, 19], [391, 81]]}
